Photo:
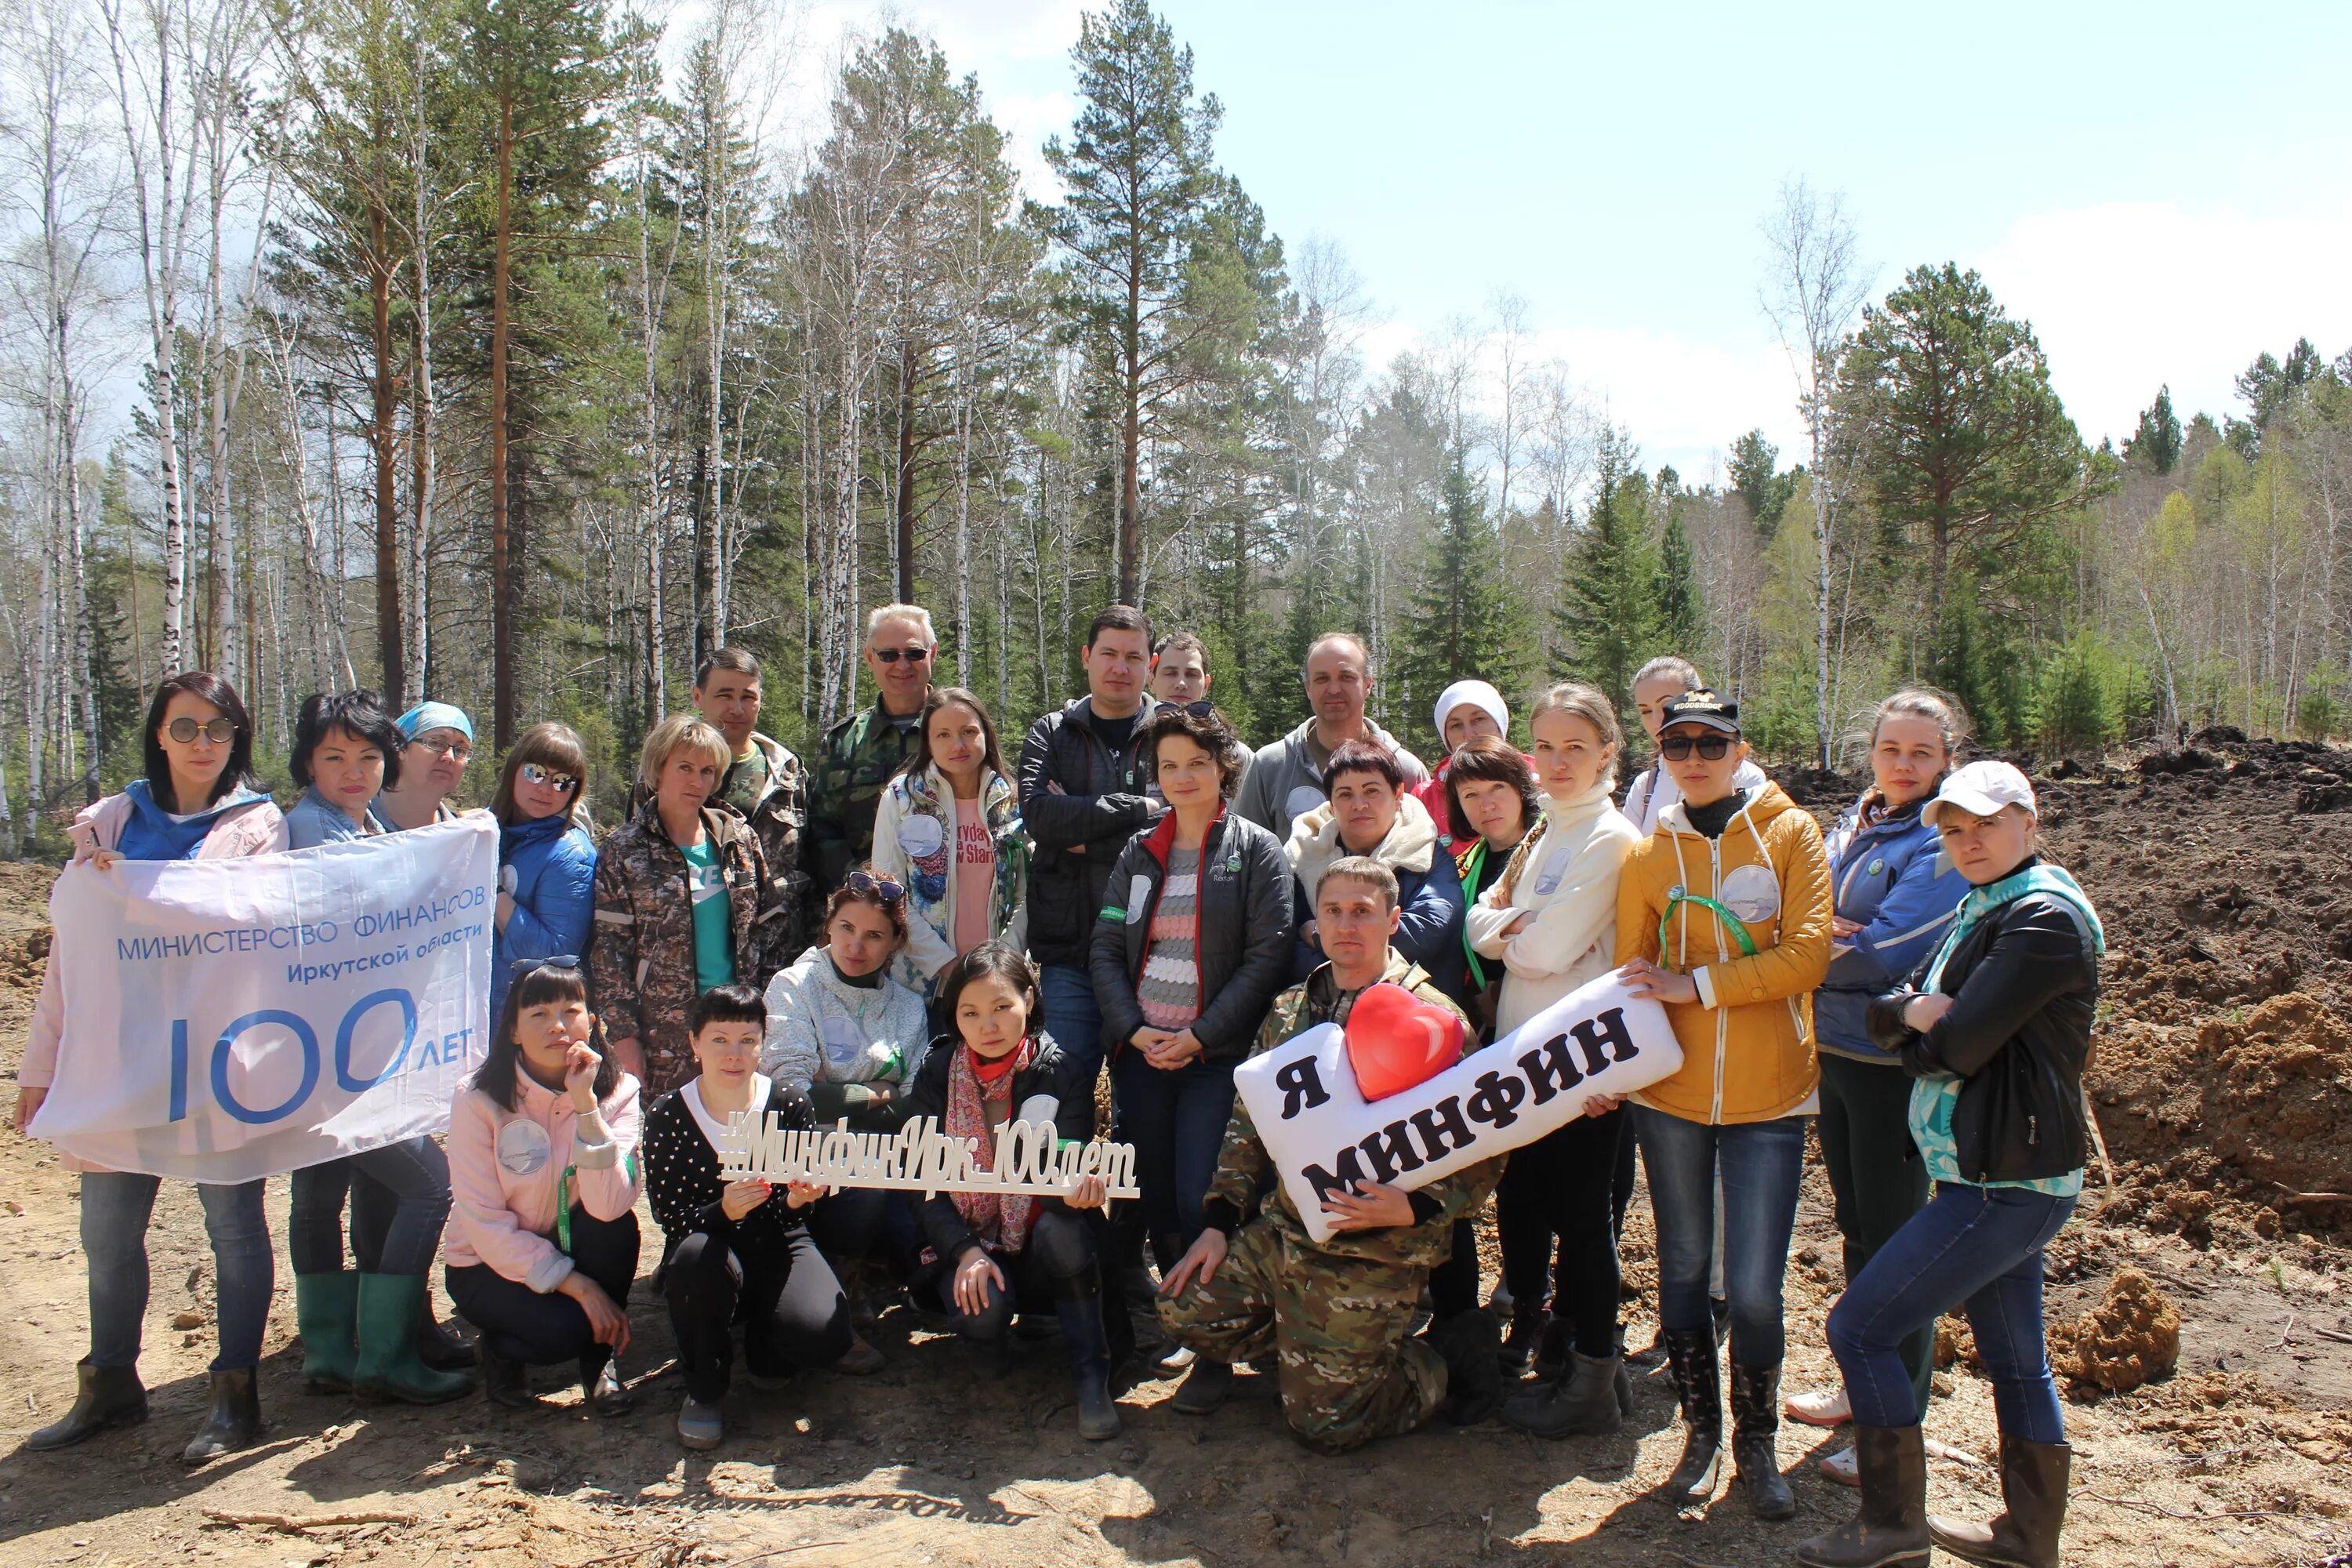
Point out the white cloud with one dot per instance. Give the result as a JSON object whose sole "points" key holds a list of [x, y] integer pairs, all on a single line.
{"points": [[2129, 297]]}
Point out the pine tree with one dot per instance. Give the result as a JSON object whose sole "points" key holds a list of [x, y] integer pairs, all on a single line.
{"points": [[2157, 441], [1464, 620], [1682, 621], [1608, 614]]}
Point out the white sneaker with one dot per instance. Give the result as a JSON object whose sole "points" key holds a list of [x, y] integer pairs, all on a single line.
{"points": [[698, 1425], [1826, 1408], [1840, 1468]]}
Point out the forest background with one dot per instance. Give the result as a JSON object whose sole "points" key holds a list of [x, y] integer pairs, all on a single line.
{"points": [[508, 350]]}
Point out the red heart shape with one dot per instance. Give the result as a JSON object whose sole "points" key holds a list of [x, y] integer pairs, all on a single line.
{"points": [[1395, 1040]]}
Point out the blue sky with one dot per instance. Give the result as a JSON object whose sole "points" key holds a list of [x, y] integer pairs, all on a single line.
{"points": [[2162, 190]]}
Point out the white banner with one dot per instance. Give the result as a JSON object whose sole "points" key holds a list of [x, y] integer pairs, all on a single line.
{"points": [[228, 1019], [1321, 1131]]}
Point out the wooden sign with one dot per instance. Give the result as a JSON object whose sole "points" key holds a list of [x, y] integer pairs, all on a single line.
{"points": [[919, 1158]]}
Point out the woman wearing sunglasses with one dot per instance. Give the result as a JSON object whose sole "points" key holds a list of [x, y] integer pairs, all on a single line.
{"points": [[547, 861], [847, 1034], [197, 800], [1723, 915]]}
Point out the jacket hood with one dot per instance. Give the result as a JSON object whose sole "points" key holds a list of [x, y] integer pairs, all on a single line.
{"points": [[1411, 846], [1765, 802], [538, 833], [931, 785]]}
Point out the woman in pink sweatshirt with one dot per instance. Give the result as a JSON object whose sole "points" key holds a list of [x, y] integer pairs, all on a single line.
{"points": [[543, 1172]]}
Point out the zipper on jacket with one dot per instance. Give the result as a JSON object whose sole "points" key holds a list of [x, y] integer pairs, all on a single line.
{"points": [[1722, 1010]]}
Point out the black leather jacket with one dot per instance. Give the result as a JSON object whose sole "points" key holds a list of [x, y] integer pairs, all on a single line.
{"points": [[2025, 988], [1049, 1076]]}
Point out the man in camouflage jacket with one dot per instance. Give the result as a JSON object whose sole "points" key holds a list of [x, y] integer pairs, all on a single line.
{"points": [[859, 755], [1333, 1314], [641, 964]]}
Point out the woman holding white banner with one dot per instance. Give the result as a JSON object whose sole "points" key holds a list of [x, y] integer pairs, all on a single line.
{"points": [[542, 1158], [994, 1255], [1551, 921], [197, 800], [1723, 916], [360, 1329]]}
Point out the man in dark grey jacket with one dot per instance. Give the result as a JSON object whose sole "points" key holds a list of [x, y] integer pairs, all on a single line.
{"points": [[1285, 778], [1086, 789]]}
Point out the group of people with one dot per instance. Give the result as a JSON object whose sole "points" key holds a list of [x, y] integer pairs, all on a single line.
{"points": [[911, 925]]}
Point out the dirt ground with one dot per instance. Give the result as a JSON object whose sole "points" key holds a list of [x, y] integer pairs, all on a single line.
{"points": [[2223, 1088]]}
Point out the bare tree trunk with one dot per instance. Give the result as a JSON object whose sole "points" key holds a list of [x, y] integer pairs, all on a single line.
{"points": [[502, 586]]}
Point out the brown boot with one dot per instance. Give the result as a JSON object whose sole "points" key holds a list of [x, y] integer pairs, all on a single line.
{"points": [[2025, 1534], [1891, 1526]]}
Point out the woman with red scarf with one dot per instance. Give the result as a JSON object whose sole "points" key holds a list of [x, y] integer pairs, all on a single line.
{"points": [[992, 1255]]}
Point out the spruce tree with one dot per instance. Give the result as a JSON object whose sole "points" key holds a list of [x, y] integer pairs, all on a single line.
{"points": [[1464, 620], [1609, 612], [1681, 620]]}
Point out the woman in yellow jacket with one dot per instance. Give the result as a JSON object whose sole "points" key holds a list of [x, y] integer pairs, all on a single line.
{"points": [[1723, 914]]}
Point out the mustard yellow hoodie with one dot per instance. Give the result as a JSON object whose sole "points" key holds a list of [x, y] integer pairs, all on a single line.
{"points": [[1748, 1041]]}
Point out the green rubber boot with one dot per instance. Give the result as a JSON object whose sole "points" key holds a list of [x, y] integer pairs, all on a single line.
{"points": [[327, 1315], [388, 1366]]}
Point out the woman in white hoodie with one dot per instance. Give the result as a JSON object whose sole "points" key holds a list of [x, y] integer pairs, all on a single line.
{"points": [[1552, 920]]}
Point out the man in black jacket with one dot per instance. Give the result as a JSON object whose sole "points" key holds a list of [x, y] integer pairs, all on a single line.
{"points": [[1086, 789]]}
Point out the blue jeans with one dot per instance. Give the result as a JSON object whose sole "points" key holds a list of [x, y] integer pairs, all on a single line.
{"points": [[115, 1209], [1763, 1162], [1176, 1119], [406, 1184], [1073, 1019], [1978, 1246]]}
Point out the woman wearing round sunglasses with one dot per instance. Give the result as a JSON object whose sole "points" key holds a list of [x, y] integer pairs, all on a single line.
{"points": [[547, 860], [197, 800], [1723, 915]]}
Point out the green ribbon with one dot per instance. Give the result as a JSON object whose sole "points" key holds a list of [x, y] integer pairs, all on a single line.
{"points": [[1738, 927]]}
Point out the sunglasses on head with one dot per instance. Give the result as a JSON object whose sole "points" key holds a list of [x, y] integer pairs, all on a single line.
{"points": [[219, 731], [545, 778], [1678, 748], [893, 655], [867, 885], [1201, 707], [523, 966]]}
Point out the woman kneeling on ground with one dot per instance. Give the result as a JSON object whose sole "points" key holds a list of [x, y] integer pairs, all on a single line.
{"points": [[993, 1255], [848, 1036], [542, 1160], [734, 1250], [198, 800], [1993, 1033]]}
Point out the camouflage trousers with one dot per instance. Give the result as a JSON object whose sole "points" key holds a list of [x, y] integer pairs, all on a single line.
{"points": [[1336, 1327]]}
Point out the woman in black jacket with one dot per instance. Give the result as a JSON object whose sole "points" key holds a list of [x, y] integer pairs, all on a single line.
{"points": [[734, 1251], [992, 1255], [1193, 946], [1994, 1034]]}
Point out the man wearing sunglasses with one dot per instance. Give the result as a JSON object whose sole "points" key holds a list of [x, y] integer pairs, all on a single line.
{"points": [[762, 786], [438, 742], [857, 756]]}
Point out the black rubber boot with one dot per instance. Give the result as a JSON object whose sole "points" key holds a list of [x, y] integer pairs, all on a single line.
{"points": [[436, 1347], [1755, 1457], [1691, 1355], [1584, 1404], [2025, 1534], [1078, 1303], [1205, 1387], [1472, 1345], [506, 1384], [234, 1421], [104, 1397], [1891, 1526]]}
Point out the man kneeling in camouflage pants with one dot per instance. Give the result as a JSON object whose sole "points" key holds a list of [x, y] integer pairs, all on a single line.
{"points": [[1334, 1315]]}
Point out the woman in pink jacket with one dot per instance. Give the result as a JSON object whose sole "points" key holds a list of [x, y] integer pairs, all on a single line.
{"points": [[543, 1171], [197, 800]]}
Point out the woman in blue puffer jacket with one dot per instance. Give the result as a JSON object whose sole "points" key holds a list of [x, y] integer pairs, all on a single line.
{"points": [[547, 861], [1896, 894]]}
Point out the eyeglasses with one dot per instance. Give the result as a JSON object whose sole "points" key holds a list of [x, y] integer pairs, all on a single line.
{"points": [[867, 885], [523, 966], [219, 731], [893, 655], [1678, 748], [457, 749], [542, 778]]}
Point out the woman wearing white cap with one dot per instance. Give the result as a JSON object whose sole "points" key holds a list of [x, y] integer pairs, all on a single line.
{"points": [[1466, 710], [1994, 1032]]}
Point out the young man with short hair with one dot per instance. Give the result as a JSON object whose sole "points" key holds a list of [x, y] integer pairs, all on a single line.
{"points": [[762, 786], [857, 756], [1179, 669], [1086, 788], [1335, 1314], [1285, 778]]}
